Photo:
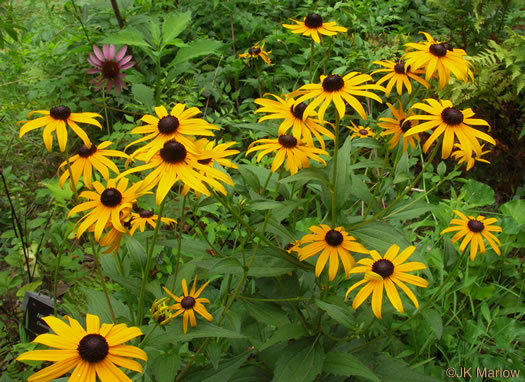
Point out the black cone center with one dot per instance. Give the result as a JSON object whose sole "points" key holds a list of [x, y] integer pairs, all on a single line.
{"points": [[287, 141], [333, 83], [254, 51], [146, 214], [452, 116], [168, 124], [475, 225], [93, 348], [313, 20], [405, 125], [173, 152], [363, 132], [187, 302], [383, 267], [86, 152], [400, 68], [333, 237], [438, 50], [110, 69], [111, 197], [204, 161], [60, 112], [298, 110]]}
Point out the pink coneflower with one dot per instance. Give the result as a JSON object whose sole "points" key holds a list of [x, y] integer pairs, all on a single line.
{"points": [[109, 66]]}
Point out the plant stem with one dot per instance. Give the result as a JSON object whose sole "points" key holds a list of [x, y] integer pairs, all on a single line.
{"points": [[378, 185], [258, 78], [149, 258], [71, 181], [179, 243], [79, 17], [55, 281], [311, 74], [157, 85], [334, 177], [116, 11], [101, 277]]}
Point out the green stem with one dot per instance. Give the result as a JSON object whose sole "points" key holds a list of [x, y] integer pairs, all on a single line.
{"points": [[77, 14], [104, 101], [55, 281], [148, 335], [311, 74], [334, 177], [149, 259], [258, 78], [274, 299], [101, 277], [179, 243], [157, 85], [71, 181], [378, 185], [400, 197]]}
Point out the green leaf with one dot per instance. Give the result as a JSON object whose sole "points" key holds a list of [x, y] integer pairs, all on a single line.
{"points": [[27, 287], [224, 372], [266, 312], [433, 318], [359, 188], [143, 94], [227, 265], [60, 194], [307, 175], [136, 250], [338, 313], [173, 25], [126, 37], [203, 329], [250, 178], [395, 370], [441, 169], [97, 305], [516, 210], [270, 266], [301, 361], [347, 365], [380, 236], [401, 173], [284, 333], [165, 366], [194, 49], [477, 193], [405, 210], [344, 175]]}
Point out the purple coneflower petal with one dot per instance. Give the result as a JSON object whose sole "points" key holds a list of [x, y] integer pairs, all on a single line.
{"points": [[127, 65], [98, 53], [93, 60], [121, 53], [111, 52], [93, 71], [125, 60], [118, 84], [109, 85]]}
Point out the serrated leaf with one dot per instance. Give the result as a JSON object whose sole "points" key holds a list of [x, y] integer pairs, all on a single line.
{"points": [[300, 362], [516, 210], [433, 318], [266, 312], [126, 37], [338, 313], [284, 333], [135, 250], [380, 236], [477, 193], [196, 48], [143, 94], [347, 365], [395, 370], [307, 175], [173, 25]]}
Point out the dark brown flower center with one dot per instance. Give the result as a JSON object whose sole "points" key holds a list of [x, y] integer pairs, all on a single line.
{"points": [[438, 50], [451, 116], [333, 83], [400, 68], [110, 197], [60, 112], [187, 302], [473, 154], [173, 152], [313, 20], [405, 125], [86, 152], [363, 132], [93, 348], [475, 225], [383, 267], [146, 214], [168, 124], [298, 110], [110, 69], [204, 161], [287, 141], [448, 46], [254, 51], [333, 237]]}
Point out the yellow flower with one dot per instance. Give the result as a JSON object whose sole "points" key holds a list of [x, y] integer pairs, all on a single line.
{"points": [[178, 124], [385, 273], [461, 156], [256, 51], [189, 303], [313, 26], [360, 131], [337, 89], [474, 230], [95, 351], [87, 158], [450, 122], [139, 220], [438, 57], [397, 127], [399, 74], [107, 204], [57, 119], [287, 148], [175, 161], [292, 115], [334, 244], [160, 311]]}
